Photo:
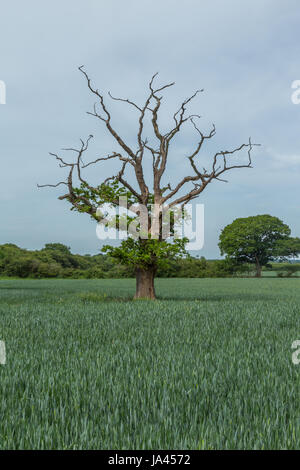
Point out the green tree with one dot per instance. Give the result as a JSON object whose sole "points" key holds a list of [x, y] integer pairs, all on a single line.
{"points": [[258, 239], [149, 250], [58, 247], [59, 253]]}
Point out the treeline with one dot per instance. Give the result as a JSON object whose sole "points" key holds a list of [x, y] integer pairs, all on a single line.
{"points": [[55, 260]]}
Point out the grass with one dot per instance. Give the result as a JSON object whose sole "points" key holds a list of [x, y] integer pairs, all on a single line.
{"points": [[206, 366]]}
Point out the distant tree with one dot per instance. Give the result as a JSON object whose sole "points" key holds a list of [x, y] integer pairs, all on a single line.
{"points": [[58, 247], [60, 254], [287, 270], [258, 239], [149, 250]]}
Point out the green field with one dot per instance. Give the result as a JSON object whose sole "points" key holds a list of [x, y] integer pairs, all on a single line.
{"points": [[206, 366]]}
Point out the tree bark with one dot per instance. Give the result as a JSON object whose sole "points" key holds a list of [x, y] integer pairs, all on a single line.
{"points": [[145, 283], [258, 268]]}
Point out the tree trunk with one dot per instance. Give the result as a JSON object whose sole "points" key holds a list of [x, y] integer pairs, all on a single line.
{"points": [[258, 268], [145, 283]]}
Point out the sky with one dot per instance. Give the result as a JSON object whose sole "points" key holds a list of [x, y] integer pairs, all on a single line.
{"points": [[245, 55]]}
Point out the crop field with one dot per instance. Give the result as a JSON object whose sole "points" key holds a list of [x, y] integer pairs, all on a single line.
{"points": [[206, 366]]}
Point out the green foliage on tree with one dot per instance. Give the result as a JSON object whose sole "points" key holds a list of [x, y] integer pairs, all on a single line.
{"points": [[147, 253], [287, 248], [258, 239]]}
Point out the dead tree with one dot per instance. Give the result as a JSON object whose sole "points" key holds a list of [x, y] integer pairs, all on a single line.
{"points": [[88, 197]]}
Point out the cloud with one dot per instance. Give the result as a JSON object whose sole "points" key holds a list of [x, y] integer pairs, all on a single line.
{"points": [[289, 162]]}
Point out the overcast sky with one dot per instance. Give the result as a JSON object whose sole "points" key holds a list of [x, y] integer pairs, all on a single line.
{"points": [[244, 54]]}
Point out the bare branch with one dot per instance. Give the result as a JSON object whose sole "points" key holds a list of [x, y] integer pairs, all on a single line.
{"points": [[206, 177], [116, 136], [125, 101], [51, 185], [109, 157]]}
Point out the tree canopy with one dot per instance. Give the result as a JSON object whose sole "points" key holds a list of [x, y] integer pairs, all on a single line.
{"points": [[258, 239]]}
